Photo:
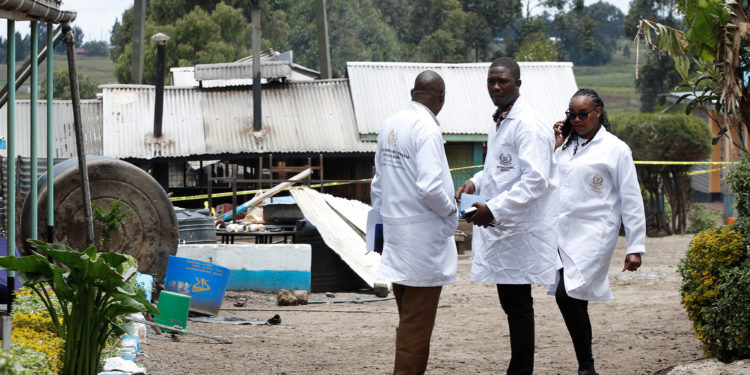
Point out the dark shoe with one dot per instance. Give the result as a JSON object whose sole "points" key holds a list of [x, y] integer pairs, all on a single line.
{"points": [[586, 368]]}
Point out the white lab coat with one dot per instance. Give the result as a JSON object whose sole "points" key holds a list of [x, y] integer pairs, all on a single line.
{"points": [[413, 190], [598, 188], [520, 176]]}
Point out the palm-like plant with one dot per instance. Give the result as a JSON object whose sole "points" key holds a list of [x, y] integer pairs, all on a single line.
{"points": [[93, 292], [712, 56]]}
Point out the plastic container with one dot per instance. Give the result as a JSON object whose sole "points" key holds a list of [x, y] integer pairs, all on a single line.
{"points": [[195, 227], [174, 308], [204, 282]]}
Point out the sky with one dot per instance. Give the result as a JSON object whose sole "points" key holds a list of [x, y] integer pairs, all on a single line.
{"points": [[96, 17]]}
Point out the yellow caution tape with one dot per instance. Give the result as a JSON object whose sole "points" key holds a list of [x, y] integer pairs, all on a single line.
{"points": [[693, 173], [248, 192]]}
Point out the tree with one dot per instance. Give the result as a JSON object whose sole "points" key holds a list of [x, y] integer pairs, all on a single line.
{"points": [[711, 57], [660, 75], [197, 37], [61, 86], [96, 48], [537, 47], [665, 137]]}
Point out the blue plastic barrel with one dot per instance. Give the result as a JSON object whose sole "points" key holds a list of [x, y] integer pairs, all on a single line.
{"points": [[204, 282]]}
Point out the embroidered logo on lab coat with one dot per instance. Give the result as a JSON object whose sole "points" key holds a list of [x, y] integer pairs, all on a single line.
{"points": [[392, 139], [597, 184], [506, 162]]}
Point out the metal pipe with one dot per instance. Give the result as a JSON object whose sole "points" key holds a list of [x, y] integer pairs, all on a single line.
{"points": [[11, 143], [34, 193], [257, 113], [50, 137], [234, 191], [161, 52], [80, 146]]}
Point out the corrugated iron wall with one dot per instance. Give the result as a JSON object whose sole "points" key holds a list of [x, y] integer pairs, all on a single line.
{"points": [[64, 136], [23, 186]]}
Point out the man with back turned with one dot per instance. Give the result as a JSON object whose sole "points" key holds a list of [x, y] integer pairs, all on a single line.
{"points": [[413, 190]]}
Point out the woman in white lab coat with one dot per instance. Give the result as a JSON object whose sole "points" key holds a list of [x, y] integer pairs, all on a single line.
{"points": [[598, 190]]}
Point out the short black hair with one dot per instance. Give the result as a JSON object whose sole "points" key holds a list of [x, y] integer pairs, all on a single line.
{"points": [[508, 63]]}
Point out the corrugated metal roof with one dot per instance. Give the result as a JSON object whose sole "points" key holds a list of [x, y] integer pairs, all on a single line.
{"points": [[64, 137], [128, 126], [297, 118], [312, 116], [380, 89], [268, 70], [41, 10]]}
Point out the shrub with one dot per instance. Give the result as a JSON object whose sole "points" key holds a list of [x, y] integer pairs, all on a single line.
{"points": [[716, 292], [739, 181], [701, 218]]}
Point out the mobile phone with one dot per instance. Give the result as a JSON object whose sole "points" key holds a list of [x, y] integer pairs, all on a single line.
{"points": [[469, 212], [567, 127]]}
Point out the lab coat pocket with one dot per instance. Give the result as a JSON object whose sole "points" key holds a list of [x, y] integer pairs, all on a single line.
{"points": [[584, 238]]}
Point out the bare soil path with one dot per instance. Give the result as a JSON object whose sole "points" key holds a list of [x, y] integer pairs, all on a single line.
{"points": [[643, 331]]}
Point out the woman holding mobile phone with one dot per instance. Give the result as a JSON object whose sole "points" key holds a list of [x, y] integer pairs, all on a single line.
{"points": [[599, 190]]}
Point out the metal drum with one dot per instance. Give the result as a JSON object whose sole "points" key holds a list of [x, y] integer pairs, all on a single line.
{"points": [[149, 231]]}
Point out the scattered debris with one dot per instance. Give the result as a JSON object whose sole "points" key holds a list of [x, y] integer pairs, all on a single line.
{"points": [[380, 290], [120, 364], [241, 302], [276, 319], [177, 329], [330, 295], [289, 298], [351, 301]]}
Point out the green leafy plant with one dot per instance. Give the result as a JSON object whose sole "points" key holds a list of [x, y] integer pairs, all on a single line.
{"points": [[93, 291], [111, 219], [701, 218], [716, 291]]}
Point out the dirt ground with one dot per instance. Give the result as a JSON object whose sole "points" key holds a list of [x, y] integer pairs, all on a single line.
{"points": [[643, 331]]}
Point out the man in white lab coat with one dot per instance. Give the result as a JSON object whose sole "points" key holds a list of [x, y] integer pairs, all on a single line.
{"points": [[513, 243], [413, 190]]}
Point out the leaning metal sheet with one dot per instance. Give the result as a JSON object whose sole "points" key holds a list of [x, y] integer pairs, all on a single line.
{"points": [[337, 233]]}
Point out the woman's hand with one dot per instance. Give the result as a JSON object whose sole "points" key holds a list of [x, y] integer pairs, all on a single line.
{"points": [[632, 262], [559, 138]]}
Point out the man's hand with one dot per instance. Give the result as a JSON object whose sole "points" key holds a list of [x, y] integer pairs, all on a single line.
{"points": [[467, 187], [483, 217], [632, 262]]}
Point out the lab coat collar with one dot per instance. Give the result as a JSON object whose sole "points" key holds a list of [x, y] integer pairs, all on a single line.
{"points": [[421, 106], [516, 108]]}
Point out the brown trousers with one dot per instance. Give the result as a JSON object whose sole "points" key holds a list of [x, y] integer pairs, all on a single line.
{"points": [[417, 307]]}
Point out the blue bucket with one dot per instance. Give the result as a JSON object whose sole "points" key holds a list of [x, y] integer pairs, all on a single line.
{"points": [[204, 282]]}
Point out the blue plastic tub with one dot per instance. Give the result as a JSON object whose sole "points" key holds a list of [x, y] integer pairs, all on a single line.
{"points": [[204, 282]]}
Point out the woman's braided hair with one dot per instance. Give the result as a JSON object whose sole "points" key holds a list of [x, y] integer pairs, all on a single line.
{"points": [[598, 103]]}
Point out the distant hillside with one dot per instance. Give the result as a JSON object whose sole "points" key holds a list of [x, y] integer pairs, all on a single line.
{"points": [[100, 70]]}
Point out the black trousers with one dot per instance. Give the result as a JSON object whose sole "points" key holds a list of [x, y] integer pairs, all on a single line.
{"points": [[518, 305], [576, 316]]}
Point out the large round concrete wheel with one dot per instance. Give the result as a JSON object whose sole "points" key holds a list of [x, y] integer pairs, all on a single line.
{"points": [[149, 232]]}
